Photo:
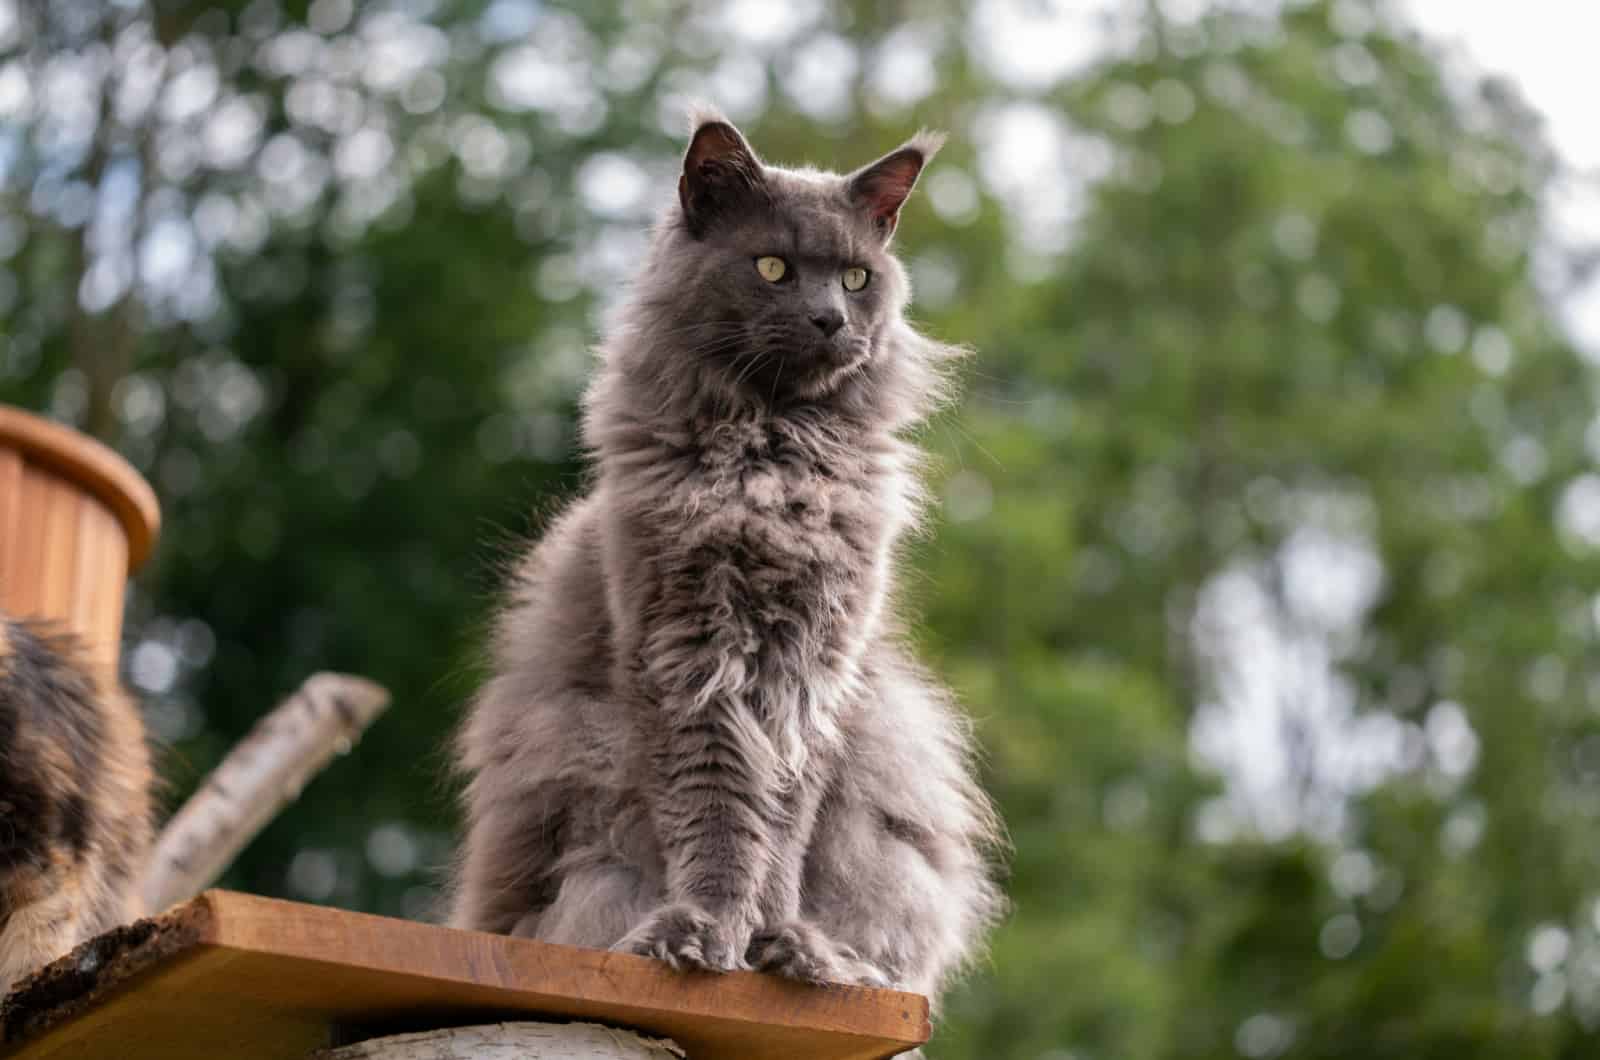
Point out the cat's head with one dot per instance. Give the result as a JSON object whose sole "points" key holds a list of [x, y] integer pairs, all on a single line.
{"points": [[780, 282]]}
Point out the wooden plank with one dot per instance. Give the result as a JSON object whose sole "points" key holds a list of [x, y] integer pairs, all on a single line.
{"points": [[257, 979]]}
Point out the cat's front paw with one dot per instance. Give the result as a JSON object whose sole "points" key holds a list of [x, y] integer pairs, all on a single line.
{"points": [[798, 950], [686, 937]]}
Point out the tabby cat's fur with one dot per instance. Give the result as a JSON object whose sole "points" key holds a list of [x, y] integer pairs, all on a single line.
{"points": [[75, 806]]}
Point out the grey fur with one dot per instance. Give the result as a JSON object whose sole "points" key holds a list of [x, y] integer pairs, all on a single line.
{"points": [[703, 739]]}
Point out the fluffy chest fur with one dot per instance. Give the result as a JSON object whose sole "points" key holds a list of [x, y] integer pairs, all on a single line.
{"points": [[761, 550]]}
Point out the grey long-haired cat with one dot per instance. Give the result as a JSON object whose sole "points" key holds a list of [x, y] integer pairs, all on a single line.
{"points": [[703, 739]]}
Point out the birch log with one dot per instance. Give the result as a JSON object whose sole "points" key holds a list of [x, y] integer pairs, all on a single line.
{"points": [[511, 1041], [257, 779]]}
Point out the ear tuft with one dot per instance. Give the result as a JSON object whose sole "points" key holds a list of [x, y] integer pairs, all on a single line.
{"points": [[703, 113], [719, 170], [928, 141], [882, 188]]}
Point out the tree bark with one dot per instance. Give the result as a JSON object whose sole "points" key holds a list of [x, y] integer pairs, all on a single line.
{"points": [[511, 1041], [258, 778]]}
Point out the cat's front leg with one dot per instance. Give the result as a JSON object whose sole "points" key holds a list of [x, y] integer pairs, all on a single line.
{"points": [[788, 944], [717, 811]]}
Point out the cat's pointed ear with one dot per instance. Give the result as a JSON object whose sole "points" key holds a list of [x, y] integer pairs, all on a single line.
{"points": [[879, 190], [720, 171]]}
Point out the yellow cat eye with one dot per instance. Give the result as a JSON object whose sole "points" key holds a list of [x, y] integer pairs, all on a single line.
{"points": [[855, 279], [771, 268]]}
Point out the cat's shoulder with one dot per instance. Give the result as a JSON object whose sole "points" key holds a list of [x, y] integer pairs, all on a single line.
{"points": [[571, 535]]}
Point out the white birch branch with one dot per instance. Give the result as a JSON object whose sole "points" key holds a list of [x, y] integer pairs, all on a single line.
{"points": [[258, 778], [511, 1041]]}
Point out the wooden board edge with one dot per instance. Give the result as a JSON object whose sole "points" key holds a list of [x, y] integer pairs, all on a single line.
{"points": [[245, 921], [77, 982]]}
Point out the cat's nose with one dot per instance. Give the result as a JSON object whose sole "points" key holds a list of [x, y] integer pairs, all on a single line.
{"points": [[828, 321]]}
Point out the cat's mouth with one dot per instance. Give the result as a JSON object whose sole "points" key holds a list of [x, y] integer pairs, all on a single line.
{"points": [[825, 365], [832, 351], [823, 357], [796, 364]]}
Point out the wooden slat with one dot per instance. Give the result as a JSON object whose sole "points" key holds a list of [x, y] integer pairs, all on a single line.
{"points": [[256, 979], [59, 574], [28, 562], [96, 607], [84, 609], [10, 518]]}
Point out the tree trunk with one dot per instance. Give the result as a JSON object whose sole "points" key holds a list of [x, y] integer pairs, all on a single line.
{"points": [[511, 1041], [260, 776]]}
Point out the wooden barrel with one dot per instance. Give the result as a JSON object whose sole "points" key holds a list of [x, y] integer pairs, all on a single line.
{"points": [[75, 521]]}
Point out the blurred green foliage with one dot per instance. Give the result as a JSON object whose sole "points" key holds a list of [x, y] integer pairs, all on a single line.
{"points": [[1265, 536]]}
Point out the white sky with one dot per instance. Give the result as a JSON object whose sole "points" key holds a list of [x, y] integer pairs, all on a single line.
{"points": [[1546, 46]]}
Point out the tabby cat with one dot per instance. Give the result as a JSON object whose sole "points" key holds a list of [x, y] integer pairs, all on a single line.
{"points": [[75, 802]]}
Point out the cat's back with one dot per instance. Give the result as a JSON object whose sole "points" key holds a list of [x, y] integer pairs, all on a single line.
{"points": [[552, 652], [74, 768], [558, 572]]}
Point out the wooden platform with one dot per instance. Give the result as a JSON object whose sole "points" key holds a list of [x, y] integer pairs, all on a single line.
{"points": [[244, 978]]}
